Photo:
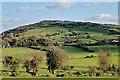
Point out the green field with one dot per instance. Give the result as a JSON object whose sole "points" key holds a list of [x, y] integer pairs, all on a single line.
{"points": [[19, 52], [111, 48], [76, 58]]}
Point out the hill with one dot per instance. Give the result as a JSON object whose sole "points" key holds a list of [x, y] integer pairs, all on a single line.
{"points": [[61, 33], [81, 41]]}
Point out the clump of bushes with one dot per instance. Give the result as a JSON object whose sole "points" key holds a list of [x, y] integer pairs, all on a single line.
{"points": [[60, 75], [12, 64], [77, 73], [91, 56], [98, 74], [33, 64]]}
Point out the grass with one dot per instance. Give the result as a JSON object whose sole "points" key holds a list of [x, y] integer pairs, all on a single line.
{"points": [[112, 48], [42, 31], [72, 49], [96, 33], [91, 30], [102, 36], [18, 52], [89, 61], [88, 41]]}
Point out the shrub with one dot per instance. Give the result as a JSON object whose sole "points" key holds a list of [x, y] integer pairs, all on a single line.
{"points": [[12, 64], [71, 67], [33, 63], [112, 67], [118, 70], [77, 73], [66, 67], [60, 75], [98, 74], [92, 69]]}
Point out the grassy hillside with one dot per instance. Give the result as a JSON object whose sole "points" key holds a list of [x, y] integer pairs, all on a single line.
{"points": [[80, 40]]}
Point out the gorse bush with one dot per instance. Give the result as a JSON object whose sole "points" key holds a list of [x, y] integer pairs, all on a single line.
{"points": [[56, 58]]}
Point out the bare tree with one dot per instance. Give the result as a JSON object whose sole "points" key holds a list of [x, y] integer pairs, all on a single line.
{"points": [[104, 59]]}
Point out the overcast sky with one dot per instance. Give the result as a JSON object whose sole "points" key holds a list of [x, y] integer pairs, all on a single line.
{"points": [[15, 14]]}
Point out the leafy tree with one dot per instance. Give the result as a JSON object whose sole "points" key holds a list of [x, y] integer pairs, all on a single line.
{"points": [[56, 58]]}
